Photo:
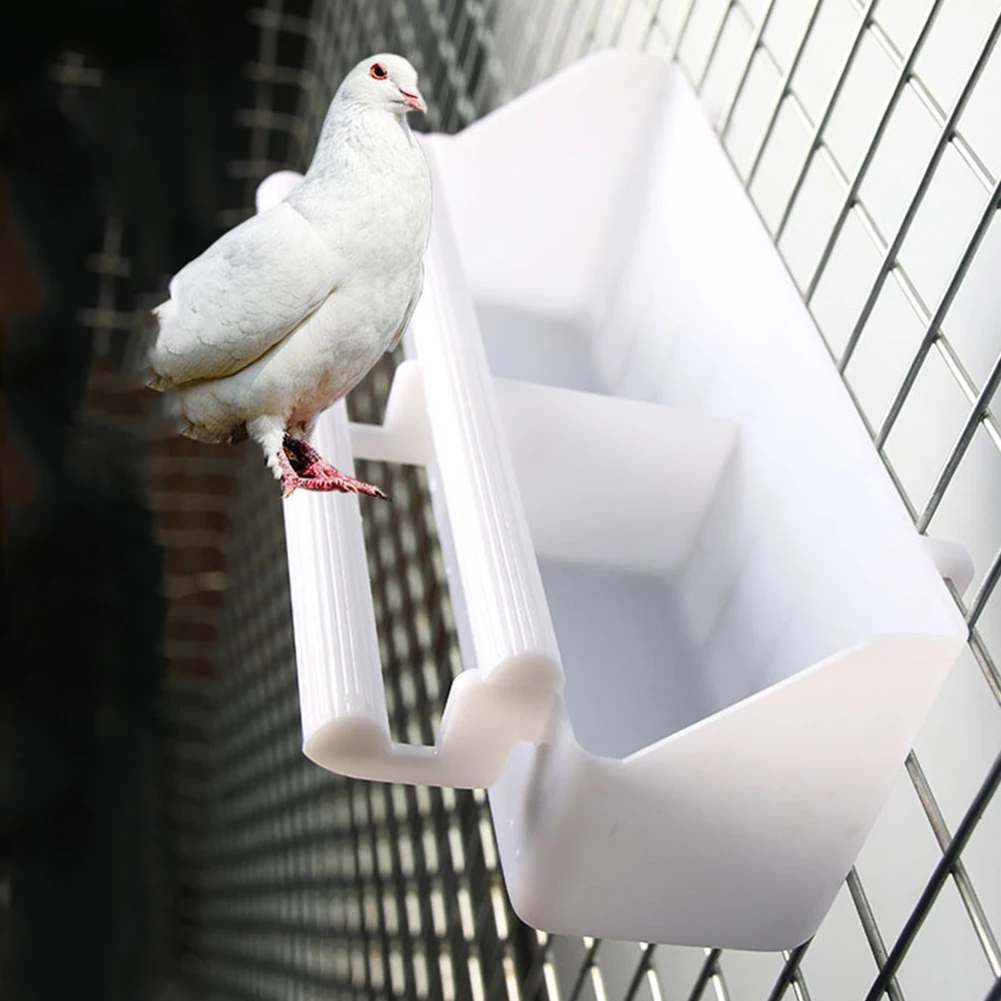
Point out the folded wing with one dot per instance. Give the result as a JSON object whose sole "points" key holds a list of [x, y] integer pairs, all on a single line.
{"points": [[246, 293]]}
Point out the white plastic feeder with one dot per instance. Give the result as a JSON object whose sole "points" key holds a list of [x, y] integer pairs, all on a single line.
{"points": [[700, 631]]}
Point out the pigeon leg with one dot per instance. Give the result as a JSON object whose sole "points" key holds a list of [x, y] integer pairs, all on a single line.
{"points": [[268, 431], [290, 478], [305, 458], [311, 471]]}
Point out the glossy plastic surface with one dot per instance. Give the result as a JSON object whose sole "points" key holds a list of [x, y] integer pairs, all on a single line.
{"points": [[700, 631]]}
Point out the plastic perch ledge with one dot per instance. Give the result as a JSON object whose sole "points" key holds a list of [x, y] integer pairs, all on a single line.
{"points": [[700, 632]]}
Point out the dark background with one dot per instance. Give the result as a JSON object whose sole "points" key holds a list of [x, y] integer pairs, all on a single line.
{"points": [[89, 899]]}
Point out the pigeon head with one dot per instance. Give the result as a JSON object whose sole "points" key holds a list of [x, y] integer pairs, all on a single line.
{"points": [[383, 81]]}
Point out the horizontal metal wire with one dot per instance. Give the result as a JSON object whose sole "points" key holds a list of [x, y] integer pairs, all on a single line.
{"points": [[850, 198], [872, 933], [710, 974], [946, 136], [975, 910], [943, 870]]}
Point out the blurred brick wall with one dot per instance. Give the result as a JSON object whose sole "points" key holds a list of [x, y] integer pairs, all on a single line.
{"points": [[192, 488]]}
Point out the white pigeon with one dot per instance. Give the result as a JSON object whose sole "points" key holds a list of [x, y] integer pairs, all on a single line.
{"points": [[287, 312]]}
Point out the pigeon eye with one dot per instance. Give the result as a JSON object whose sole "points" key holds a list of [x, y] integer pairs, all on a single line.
{"points": [[378, 71]]}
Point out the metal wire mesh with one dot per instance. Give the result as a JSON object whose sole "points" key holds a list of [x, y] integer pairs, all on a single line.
{"points": [[866, 136]]}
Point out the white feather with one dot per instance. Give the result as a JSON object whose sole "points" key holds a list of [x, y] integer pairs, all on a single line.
{"points": [[246, 293], [287, 312]]}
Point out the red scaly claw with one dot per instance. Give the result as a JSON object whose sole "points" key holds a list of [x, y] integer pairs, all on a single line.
{"points": [[302, 466], [346, 484]]}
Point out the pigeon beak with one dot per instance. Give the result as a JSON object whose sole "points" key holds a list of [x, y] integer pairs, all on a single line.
{"points": [[413, 100]]}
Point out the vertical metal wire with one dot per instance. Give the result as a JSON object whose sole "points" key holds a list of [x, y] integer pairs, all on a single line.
{"points": [[979, 602], [816, 139], [978, 414], [709, 974], [679, 34], [943, 870], [968, 895], [851, 196], [868, 920], [935, 322], [945, 138], [773, 116], [791, 975], [745, 68], [717, 35]]}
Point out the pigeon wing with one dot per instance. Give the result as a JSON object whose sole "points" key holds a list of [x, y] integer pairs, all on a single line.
{"points": [[246, 293]]}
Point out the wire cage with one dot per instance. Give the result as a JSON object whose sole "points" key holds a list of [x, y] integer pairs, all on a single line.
{"points": [[866, 134]]}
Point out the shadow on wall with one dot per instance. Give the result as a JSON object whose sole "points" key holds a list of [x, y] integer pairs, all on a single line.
{"points": [[141, 132]]}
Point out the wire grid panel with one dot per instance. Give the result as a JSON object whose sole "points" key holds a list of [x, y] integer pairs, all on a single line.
{"points": [[866, 135]]}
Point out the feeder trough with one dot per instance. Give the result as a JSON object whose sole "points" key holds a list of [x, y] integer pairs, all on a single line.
{"points": [[700, 632]]}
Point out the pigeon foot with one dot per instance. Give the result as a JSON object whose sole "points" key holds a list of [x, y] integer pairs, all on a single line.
{"points": [[302, 466], [345, 484]]}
